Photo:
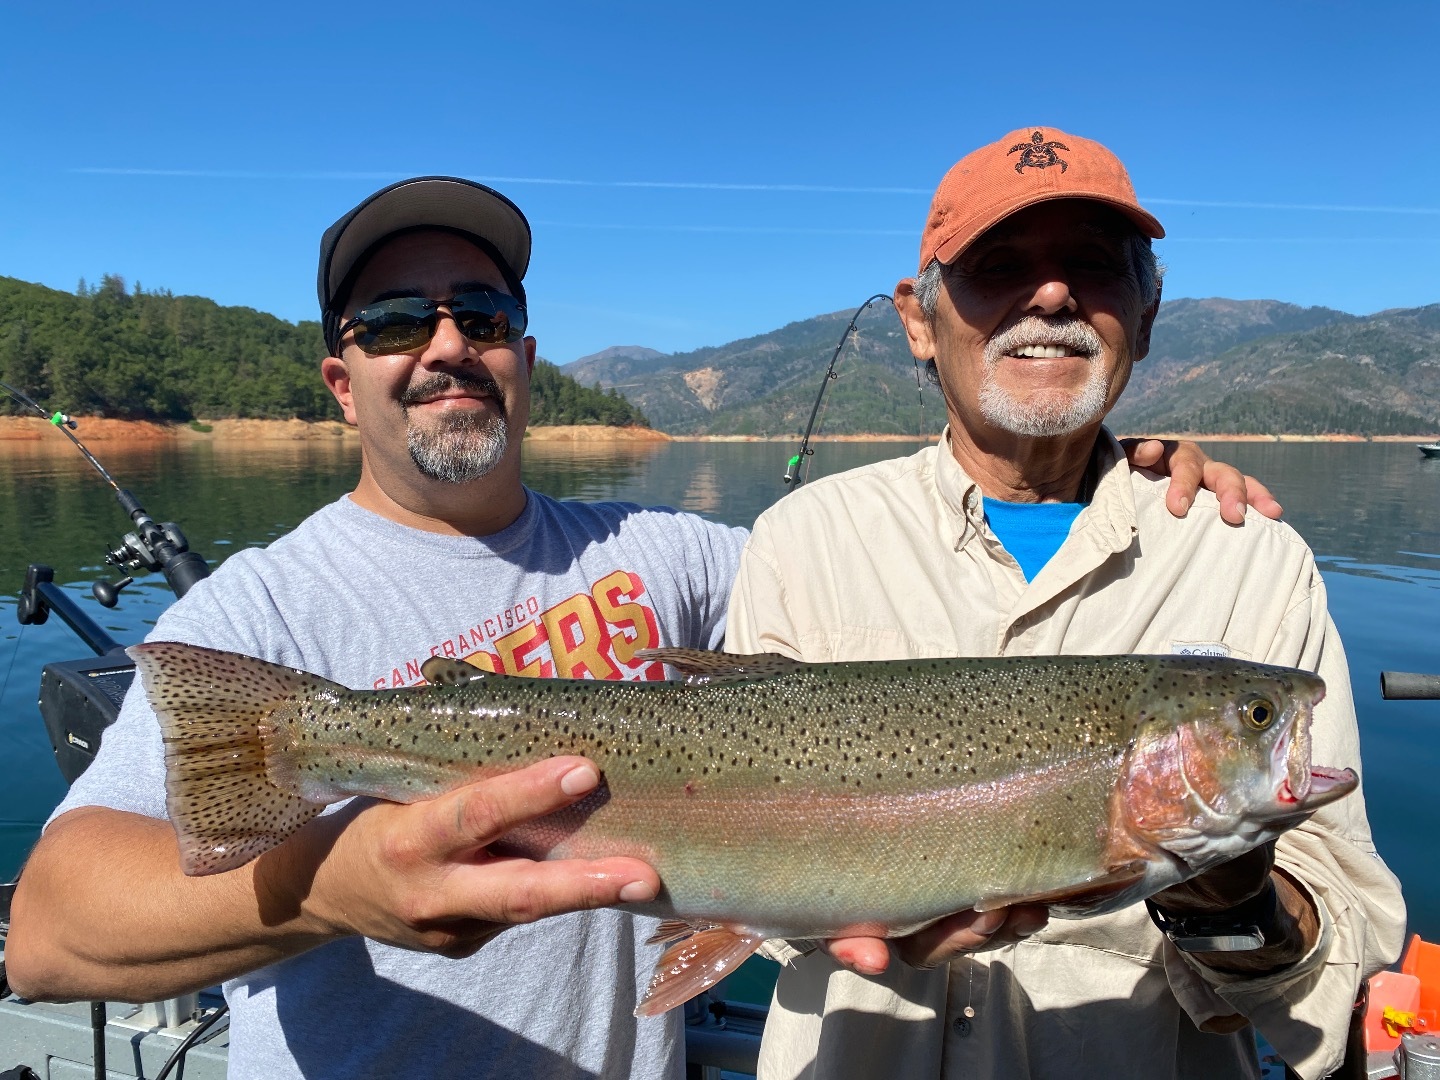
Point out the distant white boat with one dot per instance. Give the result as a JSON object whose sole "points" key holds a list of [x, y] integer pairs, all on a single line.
{"points": [[1430, 449]]}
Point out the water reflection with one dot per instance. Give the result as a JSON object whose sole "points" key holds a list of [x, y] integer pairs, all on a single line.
{"points": [[1373, 503]]}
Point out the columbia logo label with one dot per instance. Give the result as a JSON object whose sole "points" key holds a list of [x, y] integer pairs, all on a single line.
{"points": [[1199, 648]]}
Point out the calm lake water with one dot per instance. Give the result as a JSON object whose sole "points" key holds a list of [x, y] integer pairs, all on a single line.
{"points": [[1371, 512]]}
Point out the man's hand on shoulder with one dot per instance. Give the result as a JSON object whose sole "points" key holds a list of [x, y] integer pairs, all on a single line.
{"points": [[1190, 469], [941, 942], [420, 876]]}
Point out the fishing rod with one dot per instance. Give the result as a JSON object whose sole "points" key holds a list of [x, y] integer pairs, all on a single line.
{"points": [[152, 546], [66, 427], [792, 476]]}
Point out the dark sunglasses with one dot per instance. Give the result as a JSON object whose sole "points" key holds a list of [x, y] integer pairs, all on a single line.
{"points": [[408, 323]]}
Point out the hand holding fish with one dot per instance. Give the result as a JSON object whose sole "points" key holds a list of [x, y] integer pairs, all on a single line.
{"points": [[420, 876], [941, 942], [1289, 937]]}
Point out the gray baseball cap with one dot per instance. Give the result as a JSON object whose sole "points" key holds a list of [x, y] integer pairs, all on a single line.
{"points": [[481, 214]]}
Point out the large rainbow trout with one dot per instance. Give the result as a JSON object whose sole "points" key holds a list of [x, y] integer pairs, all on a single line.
{"points": [[781, 799]]}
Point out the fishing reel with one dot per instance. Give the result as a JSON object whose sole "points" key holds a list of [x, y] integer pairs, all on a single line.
{"points": [[152, 546]]}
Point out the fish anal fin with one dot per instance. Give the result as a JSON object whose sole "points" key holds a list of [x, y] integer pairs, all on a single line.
{"points": [[694, 964], [442, 671], [1078, 899], [705, 666]]}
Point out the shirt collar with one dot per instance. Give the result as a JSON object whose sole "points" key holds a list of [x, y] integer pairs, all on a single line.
{"points": [[963, 513], [1110, 514]]}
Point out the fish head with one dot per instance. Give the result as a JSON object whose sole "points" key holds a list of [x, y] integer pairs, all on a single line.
{"points": [[1221, 761]]}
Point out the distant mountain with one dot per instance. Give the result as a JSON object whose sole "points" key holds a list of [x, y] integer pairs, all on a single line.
{"points": [[636, 354], [1187, 331], [1215, 365], [1375, 375], [767, 384]]}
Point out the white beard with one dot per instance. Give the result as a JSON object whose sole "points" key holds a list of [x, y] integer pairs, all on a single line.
{"points": [[1051, 412], [1044, 413]]}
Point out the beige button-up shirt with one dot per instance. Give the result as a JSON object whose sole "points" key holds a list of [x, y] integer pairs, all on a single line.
{"points": [[895, 560]]}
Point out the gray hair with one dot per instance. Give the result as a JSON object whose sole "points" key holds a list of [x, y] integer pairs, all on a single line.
{"points": [[1149, 272]]}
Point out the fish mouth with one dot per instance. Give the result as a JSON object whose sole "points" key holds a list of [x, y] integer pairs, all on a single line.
{"points": [[1325, 785], [1290, 758]]}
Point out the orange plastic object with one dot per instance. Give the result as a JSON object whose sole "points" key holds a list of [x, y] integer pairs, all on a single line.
{"points": [[1422, 960], [1394, 998]]}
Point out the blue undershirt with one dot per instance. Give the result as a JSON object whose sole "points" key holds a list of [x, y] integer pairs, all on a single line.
{"points": [[1031, 532]]}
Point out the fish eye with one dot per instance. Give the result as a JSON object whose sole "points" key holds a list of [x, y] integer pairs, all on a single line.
{"points": [[1258, 713]]}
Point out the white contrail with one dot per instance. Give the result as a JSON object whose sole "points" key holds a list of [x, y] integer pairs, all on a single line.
{"points": [[698, 185], [763, 229], [1321, 207], [1416, 242], [682, 185], [235, 174]]}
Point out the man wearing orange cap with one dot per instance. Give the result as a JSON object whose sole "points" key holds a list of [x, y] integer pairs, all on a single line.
{"points": [[1025, 532]]}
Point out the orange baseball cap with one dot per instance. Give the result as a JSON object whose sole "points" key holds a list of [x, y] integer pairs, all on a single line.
{"points": [[1026, 167]]}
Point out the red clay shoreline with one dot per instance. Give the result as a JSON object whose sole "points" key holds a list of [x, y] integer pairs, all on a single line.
{"points": [[26, 429]]}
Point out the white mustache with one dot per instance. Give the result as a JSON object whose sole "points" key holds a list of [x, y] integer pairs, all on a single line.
{"points": [[1074, 334]]}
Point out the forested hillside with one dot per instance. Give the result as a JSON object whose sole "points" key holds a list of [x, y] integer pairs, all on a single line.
{"points": [[556, 398], [123, 352], [113, 351]]}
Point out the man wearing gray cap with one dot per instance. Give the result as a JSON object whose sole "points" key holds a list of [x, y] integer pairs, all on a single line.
{"points": [[354, 949]]}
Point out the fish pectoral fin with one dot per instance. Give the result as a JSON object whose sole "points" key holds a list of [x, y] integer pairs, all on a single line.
{"points": [[442, 671], [673, 930], [695, 963], [1077, 899], [705, 666]]}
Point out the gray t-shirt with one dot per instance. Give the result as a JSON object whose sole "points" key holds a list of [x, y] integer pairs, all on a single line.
{"points": [[569, 589]]}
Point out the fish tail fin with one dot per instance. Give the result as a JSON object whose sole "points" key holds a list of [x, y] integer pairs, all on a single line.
{"points": [[231, 782], [694, 963]]}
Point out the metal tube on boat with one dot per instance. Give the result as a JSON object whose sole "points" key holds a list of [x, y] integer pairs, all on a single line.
{"points": [[1418, 1057], [1409, 686]]}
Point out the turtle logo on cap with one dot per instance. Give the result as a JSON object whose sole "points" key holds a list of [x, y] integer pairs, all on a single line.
{"points": [[1039, 154]]}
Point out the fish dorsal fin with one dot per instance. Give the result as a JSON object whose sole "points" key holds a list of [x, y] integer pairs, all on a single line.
{"points": [[701, 666], [1088, 897], [442, 671], [694, 963]]}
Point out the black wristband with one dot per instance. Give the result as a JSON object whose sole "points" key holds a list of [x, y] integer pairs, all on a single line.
{"points": [[1238, 929]]}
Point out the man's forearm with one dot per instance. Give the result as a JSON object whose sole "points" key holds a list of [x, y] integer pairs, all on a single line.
{"points": [[104, 912], [103, 909]]}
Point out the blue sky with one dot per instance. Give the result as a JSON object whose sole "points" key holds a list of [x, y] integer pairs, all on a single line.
{"points": [[697, 173]]}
